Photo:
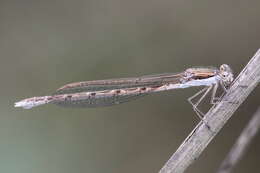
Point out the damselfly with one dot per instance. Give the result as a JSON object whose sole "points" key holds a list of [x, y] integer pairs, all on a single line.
{"points": [[114, 91]]}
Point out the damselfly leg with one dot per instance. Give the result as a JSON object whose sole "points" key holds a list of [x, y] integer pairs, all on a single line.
{"points": [[204, 92]]}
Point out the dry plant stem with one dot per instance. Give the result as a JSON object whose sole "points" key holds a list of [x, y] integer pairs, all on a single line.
{"points": [[217, 116], [239, 148]]}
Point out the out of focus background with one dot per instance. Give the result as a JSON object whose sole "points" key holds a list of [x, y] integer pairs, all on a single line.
{"points": [[45, 44]]}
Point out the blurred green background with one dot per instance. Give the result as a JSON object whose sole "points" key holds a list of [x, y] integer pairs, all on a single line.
{"points": [[45, 44]]}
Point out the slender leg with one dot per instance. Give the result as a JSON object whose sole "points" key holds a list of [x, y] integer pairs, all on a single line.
{"points": [[225, 91], [204, 95], [195, 105], [214, 100], [223, 86], [195, 95]]}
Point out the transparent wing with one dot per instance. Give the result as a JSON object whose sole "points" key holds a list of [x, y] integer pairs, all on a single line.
{"points": [[105, 97], [99, 85]]}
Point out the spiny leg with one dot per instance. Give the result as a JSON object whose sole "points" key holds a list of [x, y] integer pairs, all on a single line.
{"points": [[195, 105], [223, 86], [215, 100], [196, 94], [199, 114], [219, 98]]}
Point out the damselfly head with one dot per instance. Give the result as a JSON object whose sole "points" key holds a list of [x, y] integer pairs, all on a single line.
{"points": [[226, 74]]}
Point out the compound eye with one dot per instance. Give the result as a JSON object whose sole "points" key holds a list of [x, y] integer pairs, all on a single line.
{"points": [[222, 67]]}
